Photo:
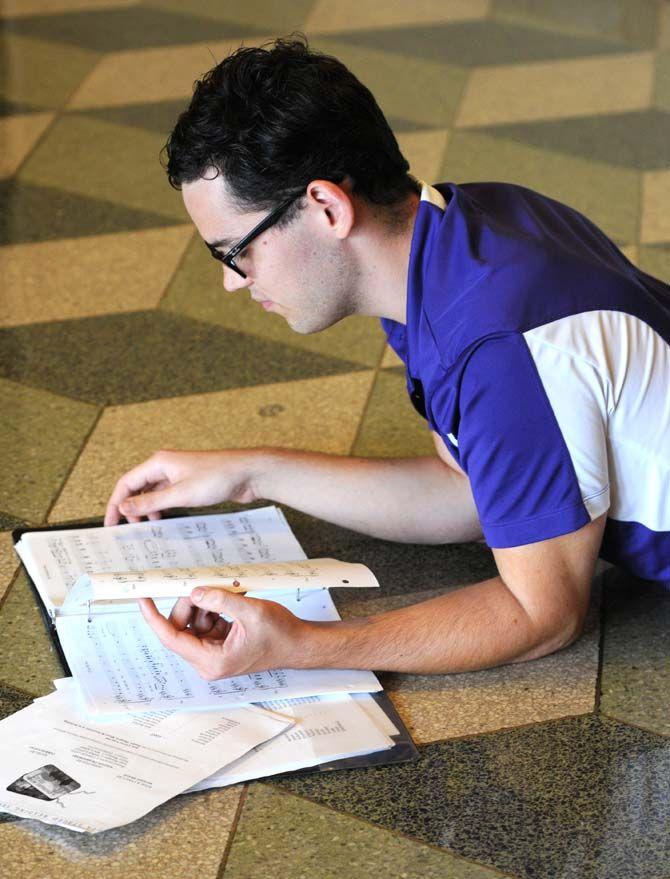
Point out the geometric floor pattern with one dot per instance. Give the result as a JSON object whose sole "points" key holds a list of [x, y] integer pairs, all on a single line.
{"points": [[116, 338]]}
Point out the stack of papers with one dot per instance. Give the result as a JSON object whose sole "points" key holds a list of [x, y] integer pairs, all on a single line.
{"points": [[136, 725]]}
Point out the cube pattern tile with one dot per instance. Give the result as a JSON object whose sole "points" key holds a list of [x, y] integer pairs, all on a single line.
{"points": [[116, 338]]}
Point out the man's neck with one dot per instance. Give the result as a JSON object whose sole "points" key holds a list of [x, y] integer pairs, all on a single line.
{"points": [[384, 257]]}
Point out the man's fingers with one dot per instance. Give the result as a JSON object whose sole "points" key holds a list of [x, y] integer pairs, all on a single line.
{"points": [[184, 643], [182, 613], [219, 601]]}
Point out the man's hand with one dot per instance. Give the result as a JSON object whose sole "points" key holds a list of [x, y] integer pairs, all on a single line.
{"points": [[183, 479], [262, 634]]}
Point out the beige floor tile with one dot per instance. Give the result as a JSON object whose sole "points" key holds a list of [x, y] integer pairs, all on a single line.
{"points": [[424, 150], [320, 414], [447, 706], [631, 252], [391, 359], [165, 74], [607, 195], [126, 172], [80, 277], [40, 437], [284, 835], [28, 659], [557, 89], [23, 8], [186, 837], [275, 17], [9, 562], [347, 15], [655, 207], [391, 426], [18, 135]]}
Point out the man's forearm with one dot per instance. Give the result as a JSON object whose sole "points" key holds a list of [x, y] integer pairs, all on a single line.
{"points": [[413, 500], [475, 627]]}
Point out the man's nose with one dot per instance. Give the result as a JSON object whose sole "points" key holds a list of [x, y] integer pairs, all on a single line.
{"points": [[232, 281]]}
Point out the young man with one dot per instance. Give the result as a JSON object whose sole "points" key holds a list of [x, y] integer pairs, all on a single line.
{"points": [[538, 354]]}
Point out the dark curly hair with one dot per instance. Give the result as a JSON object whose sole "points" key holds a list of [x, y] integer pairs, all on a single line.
{"points": [[273, 118]]}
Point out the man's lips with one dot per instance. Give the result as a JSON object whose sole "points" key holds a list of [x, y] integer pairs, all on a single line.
{"points": [[266, 303]]}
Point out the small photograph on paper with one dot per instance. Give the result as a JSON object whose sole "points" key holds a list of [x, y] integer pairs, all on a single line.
{"points": [[46, 783]]}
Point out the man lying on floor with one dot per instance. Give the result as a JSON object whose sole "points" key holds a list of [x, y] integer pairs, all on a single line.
{"points": [[537, 353]]}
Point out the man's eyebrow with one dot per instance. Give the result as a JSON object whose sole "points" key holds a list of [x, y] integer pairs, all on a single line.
{"points": [[222, 242]]}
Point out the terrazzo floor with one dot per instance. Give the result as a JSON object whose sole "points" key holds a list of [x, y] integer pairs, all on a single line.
{"points": [[116, 339]]}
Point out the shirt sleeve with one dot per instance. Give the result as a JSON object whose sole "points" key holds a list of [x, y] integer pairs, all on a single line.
{"points": [[514, 450]]}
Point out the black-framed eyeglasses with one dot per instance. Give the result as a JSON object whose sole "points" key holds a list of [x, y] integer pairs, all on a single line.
{"points": [[228, 258]]}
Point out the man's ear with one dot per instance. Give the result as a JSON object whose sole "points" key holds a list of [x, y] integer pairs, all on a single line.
{"points": [[334, 204]]}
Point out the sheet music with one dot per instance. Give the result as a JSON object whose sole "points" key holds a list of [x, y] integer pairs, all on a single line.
{"points": [[326, 728], [55, 559], [121, 666]]}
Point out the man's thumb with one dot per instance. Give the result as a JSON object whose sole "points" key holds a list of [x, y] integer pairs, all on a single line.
{"points": [[218, 600]]}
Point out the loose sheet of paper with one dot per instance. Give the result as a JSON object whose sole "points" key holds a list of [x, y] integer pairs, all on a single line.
{"points": [[326, 728], [277, 576], [55, 559], [60, 767], [121, 666]]}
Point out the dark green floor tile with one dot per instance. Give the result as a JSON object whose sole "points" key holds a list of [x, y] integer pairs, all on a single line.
{"points": [[41, 74], [147, 355], [656, 261], [97, 159], [282, 835], [401, 568], [28, 660], [131, 27], [12, 108], [478, 43], [417, 89], [276, 18], [197, 292], [635, 21], [43, 213], [160, 116], [580, 798], [391, 427], [9, 522], [12, 700], [41, 435], [635, 683], [608, 195], [661, 97], [635, 140]]}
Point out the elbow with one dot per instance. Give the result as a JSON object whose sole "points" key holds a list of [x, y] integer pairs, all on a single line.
{"points": [[557, 636]]}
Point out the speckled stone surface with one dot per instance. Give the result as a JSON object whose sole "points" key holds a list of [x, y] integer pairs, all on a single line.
{"points": [[607, 194], [9, 562], [127, 172], [391, 427], [101, 274], [45, 213], [103, 305], [39, 442], [580, 798], [635, 684], [131, 357], [289, 414], [282, 835], [197, 292], [18, 135], [28, 660], [184, 837]]}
